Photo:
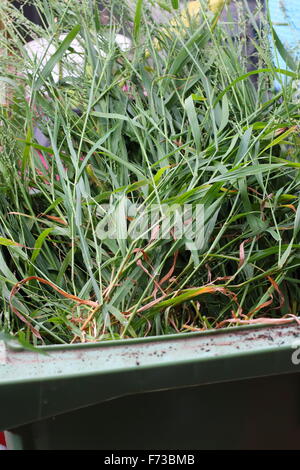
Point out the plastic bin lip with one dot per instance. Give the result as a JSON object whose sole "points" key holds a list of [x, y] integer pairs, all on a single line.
{"points": [[18, 365], [34, 386]]}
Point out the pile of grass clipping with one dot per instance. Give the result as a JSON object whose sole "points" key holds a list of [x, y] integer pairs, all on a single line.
{"points": [[174, 119]]}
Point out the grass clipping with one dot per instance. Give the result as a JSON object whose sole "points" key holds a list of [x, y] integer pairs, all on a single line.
{"points": [[178, 115]]}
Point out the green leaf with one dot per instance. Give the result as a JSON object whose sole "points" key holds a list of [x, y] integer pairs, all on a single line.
{"points": [[117, 116], [200, 37], [27, 149], [254, 72], [65, 264], [52, 206], [160, 173], [246, 171], [297, 221], [193, 120], [164, 6], [225, 114], [286, 255], [198, 97], [279, 139], [7, 242], [288, 163], [20, 341], [39, 243], [244, 146], [287, 57], [137, 19], [56, 57]]}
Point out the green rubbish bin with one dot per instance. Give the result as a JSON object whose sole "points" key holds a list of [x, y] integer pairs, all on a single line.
{"points": [[237, 388]]}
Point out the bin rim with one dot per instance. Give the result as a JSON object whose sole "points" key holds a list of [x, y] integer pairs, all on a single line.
{"points": [[35, 386]]}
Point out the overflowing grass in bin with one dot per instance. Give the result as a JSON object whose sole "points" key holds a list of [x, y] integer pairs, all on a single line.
{"points": [[175, 119]]}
